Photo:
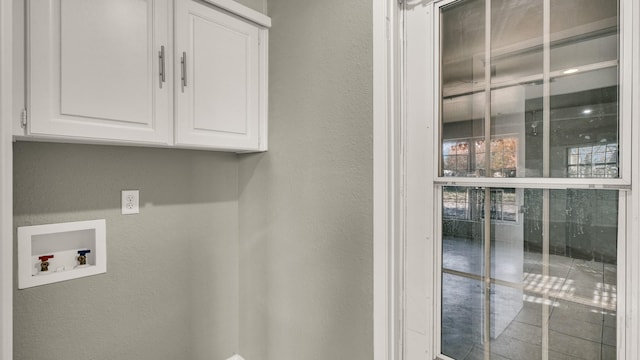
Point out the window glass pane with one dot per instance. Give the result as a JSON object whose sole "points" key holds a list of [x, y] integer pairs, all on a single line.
{"points": [[565, 278], [462, 316], [516, 41], [456, 158], [516, 74], [583, 32], [463, 104], [463, 229], [462, 46], [585, 119], [584, 86], [504, 156], [529, 273], [582, 92], [512, 337]]}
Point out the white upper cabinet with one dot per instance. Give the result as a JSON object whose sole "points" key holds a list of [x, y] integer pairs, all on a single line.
{"points": [[220, 79], [96, 70], [108, 72]]}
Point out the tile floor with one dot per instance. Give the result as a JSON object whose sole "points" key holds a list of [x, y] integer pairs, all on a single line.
{"points": [[580, 298]]}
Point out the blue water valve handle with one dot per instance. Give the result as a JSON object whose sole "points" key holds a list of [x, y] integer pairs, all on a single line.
{"points": [[82, 257]]}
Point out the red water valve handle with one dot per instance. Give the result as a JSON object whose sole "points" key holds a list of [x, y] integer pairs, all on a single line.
{"points": [[45, 257]]}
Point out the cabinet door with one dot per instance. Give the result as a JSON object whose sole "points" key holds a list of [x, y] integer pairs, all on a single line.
{"points": [[217, 79], [95, 70]]}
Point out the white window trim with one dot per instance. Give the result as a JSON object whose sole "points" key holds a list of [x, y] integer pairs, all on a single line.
{"points": [[418, 295], [6, 182], [386, 317], [632, 294]]}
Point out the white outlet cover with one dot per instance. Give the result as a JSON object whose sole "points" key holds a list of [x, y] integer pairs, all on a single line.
{"points": [[130, 202]]}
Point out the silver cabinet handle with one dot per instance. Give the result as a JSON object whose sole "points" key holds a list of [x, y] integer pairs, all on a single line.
{"points": [[161, 65], [183, 63]]}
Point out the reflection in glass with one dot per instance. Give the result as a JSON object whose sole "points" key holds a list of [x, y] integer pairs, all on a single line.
{"points": [[504, 156], [463, 214], [584, 125], [577, 107], [583, 33], [455, 158], [467, 157], [462, 316], [463, 105], [532, 271], [598, 161], [573, 284], [516, 40], [463, 46]]}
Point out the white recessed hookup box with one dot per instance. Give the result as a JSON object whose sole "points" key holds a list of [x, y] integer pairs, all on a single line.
{"points": [[57, 252]]}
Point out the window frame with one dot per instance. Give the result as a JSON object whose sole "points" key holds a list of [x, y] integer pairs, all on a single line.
{"points": [[439, 182], [625, 108], [420, 60]]}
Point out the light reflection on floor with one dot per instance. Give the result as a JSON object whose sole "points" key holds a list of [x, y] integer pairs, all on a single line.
{"points": [[580, 297], [604, 295]]}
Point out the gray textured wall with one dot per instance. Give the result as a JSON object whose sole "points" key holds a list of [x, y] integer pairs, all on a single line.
{"points": [[305, 220], [258, 5], [306, 268], [171, 287]]}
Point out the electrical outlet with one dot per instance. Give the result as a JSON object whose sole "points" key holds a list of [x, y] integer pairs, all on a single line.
{"points": [[130, 202]]}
